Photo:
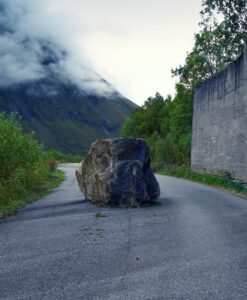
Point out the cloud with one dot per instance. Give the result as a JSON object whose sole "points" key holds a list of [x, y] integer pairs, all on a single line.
{"points": [[36, 42]]}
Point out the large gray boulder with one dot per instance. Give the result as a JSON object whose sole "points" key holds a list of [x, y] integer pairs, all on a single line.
{"points": [[117, 172]]}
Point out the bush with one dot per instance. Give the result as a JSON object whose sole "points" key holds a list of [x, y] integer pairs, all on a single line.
{"points": [[24, 166], [51, 163], [26, 171], [20, 154], [62, 158]]}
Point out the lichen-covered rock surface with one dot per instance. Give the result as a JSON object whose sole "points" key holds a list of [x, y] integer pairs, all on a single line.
{"points": [[117, 172]]}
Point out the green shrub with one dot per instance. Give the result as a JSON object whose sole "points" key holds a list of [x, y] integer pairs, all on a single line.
{"points": [[51, 162], [23, 167], [62, 158], [20, 154]]}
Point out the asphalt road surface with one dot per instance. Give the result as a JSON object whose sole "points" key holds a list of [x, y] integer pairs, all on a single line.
{"points": [[193, 246]]}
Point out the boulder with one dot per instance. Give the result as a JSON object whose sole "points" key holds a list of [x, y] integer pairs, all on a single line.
{"points": [[117, 172]]}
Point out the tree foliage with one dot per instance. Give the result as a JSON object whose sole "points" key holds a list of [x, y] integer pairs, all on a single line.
{"points": [[217, 44], [166, 124], [209, 56], [234, 24], [234, 14]]}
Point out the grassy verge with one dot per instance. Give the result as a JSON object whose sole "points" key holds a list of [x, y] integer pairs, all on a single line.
{"points": [[219, 182], [63, 158], [40, 190], [27, 172]]}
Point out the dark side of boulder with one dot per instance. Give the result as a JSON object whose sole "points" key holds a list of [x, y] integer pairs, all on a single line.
{"points": [[117, 172]]}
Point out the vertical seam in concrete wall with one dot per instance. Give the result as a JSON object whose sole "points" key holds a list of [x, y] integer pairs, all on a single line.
{"points": [[193, 131]]}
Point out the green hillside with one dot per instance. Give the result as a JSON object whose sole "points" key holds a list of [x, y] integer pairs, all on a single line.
{"points": [[63, 116]]}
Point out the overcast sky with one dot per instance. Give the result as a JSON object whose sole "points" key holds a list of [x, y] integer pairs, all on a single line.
{"points": [[133, 43]]}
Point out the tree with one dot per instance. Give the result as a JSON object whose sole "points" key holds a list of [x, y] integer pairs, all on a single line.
{"points": [[210, 55], [234, 14], [166, 125], [217, 44]]}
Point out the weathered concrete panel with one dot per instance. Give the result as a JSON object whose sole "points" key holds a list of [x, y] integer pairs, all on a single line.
{"points": [[219, 137]]}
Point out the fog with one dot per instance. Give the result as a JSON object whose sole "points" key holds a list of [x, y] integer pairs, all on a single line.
{"points": [[36, 43]]}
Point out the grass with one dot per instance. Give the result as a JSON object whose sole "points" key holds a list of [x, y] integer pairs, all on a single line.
{"points": [[53, 180], [220, 182], [100, 215]]}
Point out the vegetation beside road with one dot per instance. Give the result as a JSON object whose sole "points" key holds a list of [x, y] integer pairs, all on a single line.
{"points": [[27, 172], [224, 182], [63, 158], [166, 123]]}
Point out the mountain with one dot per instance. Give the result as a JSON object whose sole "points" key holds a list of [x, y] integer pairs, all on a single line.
{"points": [[48, 81], [63, 115]]}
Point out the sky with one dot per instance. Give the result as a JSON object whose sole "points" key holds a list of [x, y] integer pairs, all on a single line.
{"points": [[133, 44]]}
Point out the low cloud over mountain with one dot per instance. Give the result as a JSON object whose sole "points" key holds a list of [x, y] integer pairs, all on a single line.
{"points": [[46, 79], [34, 44]]}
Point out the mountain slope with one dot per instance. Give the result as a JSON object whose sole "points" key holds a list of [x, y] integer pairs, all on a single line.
{"points": [[63, 116], [46, 80]]}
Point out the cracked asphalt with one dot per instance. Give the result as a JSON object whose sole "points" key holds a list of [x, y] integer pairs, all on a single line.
{"points": [[193, 246]]}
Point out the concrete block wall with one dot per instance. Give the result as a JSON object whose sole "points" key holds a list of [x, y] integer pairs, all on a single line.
{"points": [[219, 135]]}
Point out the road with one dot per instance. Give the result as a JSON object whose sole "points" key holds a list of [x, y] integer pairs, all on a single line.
{"points": [[193, 246]]}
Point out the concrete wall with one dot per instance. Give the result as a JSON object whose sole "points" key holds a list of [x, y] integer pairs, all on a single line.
{"points": [[219, 139]]}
